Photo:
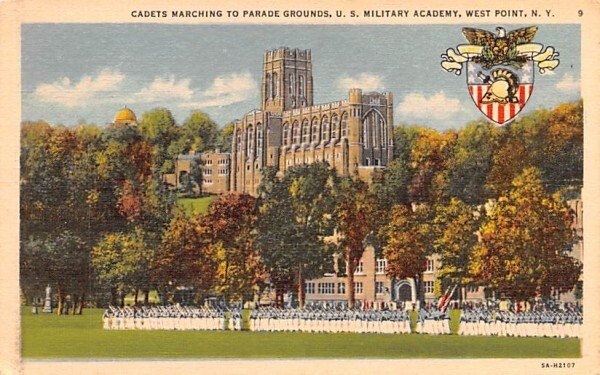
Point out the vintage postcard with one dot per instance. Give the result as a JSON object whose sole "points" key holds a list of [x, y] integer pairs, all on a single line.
{"points": [[299, 187]]}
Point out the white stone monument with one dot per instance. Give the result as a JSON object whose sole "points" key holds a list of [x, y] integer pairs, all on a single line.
{"points": [[48, 301]]}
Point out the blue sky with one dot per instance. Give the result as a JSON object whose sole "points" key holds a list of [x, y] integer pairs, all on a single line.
{"points": [[72, 72]]}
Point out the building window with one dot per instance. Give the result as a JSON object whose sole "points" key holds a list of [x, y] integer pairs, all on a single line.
{"points": [[315, 133], [208, 182], [291, 87], [250, 142], [301, 86], [275, 88], [259, 136], [305, 131], [295, 133], [345, 125], [335, 122], [358, 288], [325, 128], [428, 286], [379, 287], [310, 288], [360, 268], [380, 266], [286, 134], [207, 172], [341, 288], [429, 265], [326, 288], [268, 87]]}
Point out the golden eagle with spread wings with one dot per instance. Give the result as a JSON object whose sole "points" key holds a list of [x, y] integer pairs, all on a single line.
{"points": [[499, 49]]}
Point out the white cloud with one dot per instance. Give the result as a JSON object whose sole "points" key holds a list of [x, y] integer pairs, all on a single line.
{"points": [[163, 89], [226, 90], [365, 81], [568, 83], [438, 106], [70, 94]]}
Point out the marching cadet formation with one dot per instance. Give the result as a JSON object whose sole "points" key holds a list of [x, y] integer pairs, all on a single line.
{"points": [[172, 317], [433, 322], [534, 323], [480, 320], [329, 320]]}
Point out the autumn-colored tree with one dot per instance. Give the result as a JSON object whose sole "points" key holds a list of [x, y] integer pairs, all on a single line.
{"points": [[354, 216], [229, 223], [409, 242], [429, 155], [525, 240], [185, 257]]}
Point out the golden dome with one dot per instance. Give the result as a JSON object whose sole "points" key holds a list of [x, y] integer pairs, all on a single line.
{"points": [[125, 115]]}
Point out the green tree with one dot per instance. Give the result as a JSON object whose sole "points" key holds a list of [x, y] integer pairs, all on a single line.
{"points": [[159, 128], [61, 260], [525, 242], [294, 220], [226, 137], [455, 226], [471, 161], [122, 262], [198, 133]]}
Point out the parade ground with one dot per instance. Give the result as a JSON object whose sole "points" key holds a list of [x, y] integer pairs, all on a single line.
{"points": [[52, 336]]}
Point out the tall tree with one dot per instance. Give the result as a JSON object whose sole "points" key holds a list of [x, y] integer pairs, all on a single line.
{"points": [[122, 262], [199, 133], [525, 241], [226, 137], [229, 223], [185, 257], [429, 155], [455, 227], [354, 216], [159, 128], [470, 162], [60, 260], [294, 221], [409, 242]]}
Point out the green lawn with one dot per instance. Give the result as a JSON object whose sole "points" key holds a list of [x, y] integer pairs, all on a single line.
{"points": [[52, 336], [195, 205]]}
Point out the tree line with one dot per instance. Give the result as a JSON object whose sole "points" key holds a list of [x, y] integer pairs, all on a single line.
{"points": [[97, 222]]}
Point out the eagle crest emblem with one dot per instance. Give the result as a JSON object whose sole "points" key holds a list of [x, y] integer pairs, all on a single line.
{"points": [[500, 68]]}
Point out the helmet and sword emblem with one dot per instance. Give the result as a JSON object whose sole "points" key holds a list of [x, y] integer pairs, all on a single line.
{"points": [[500, 68]]}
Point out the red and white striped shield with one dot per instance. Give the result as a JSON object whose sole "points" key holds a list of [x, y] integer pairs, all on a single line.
{"points": [[478, 82]]}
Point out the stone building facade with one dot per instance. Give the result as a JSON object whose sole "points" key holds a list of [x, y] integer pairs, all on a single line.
{"points": [[215, 172], [354, 135], [215, 166]]}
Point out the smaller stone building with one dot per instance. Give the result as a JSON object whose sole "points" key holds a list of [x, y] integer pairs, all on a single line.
{"points": [[213, 166], [215, 171]]}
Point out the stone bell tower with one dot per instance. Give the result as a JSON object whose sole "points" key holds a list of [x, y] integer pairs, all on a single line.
{"points": [[287, 81]]}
